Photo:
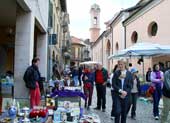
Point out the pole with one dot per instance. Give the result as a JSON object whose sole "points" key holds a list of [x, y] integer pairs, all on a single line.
{"points": [[143, 70]]}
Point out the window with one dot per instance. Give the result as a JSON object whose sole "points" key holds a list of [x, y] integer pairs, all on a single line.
{"points": [[95, 20], [117, 46], [134, 37], [152, 29]]}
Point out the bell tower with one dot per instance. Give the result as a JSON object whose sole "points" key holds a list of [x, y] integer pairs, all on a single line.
{"points": [[95, 22]]}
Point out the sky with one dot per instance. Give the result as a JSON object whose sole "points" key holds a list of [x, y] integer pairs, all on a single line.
{"points": [[79, 13]]}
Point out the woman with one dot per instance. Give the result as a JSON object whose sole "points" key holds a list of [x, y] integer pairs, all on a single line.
{"points": [[157, 82], [134, 93], [88, 82], [122, 84], [111, 77]]}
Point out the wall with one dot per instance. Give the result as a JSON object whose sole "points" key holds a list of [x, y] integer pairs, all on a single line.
{"points": [[158, 13]]}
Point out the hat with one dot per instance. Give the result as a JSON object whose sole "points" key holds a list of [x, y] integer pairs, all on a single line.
{"points": [[134, 70]]}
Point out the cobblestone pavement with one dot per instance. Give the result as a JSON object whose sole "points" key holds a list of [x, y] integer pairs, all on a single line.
{"points": [[144, 111]]}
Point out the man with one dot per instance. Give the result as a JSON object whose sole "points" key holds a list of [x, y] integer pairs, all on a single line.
{"points": [[166, 98], [122, 84], [31, 78], [101, 76]]}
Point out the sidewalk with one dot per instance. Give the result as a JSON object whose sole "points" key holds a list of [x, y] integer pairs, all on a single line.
{"points": [[144, 111]]}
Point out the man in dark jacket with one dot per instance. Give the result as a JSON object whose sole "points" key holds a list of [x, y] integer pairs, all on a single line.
{"points": [[101, 76], [166, 98], [31, 78], [122, 84]]}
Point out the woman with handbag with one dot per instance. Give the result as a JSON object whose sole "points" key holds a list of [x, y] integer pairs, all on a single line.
{"points": [[157, 83]]}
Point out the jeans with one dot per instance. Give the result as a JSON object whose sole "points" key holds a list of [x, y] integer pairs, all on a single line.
{"points": [[101, 96], [76, 81], [120, 107], [156, 98], [132, 106], [112, 111]]}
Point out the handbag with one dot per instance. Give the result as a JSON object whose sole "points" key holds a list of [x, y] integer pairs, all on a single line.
{"points": [[151, 89]]}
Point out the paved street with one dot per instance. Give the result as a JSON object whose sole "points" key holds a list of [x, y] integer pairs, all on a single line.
{"points": [[144, 111]]}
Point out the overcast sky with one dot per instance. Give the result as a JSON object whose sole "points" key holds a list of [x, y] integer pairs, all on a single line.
{"points": [[79, 11]]}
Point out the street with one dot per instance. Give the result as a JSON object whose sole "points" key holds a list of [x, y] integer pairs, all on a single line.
{"points": [[143, 113]]}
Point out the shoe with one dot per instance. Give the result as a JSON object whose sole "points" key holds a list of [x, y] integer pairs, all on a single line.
{"points": [[103, 110], [156, 118], [112, 118], [96, 108], [88, 107], [133, 117]]}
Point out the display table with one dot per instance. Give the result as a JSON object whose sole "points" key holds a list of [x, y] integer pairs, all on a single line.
{"points": [[12, 119]]}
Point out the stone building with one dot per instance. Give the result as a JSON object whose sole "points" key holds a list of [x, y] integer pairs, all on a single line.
{"points": [[23, 35], [149, 24], [59, 35], [77, 50], [147, 21]]}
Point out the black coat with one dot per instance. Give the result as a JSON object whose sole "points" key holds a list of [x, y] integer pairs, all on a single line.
{"points": [[117, 84], [31, 76]]}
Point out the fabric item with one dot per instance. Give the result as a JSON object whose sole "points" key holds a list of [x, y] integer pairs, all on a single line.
{"points": [[165, 110], [134, 89], [68, 93], [133, 102], [112, 111], [148, 76], [117, 85], [156, 76], [90, 75], [105, 74], [99, 77], [156, 98], [165, 91], [31, 75], [133, 70], [167, 79], [120, 107], [101, 96], [88, 91], [76, 80], [35, 96]]}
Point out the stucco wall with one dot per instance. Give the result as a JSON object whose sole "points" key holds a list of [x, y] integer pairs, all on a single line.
{"points": [[159, 14], [40, 11]]}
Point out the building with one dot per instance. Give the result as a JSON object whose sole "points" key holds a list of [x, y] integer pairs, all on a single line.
{"points": [[86, 50], [150, 23], [77, 50], [23, 35], [147, 21], [95, 22], [59, 36]]}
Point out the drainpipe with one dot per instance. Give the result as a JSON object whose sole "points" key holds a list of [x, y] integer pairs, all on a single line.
{"points": [[112, 40]]}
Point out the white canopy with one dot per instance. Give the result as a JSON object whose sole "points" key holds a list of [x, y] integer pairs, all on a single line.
{"points": [[143, 49], [89, 63]]}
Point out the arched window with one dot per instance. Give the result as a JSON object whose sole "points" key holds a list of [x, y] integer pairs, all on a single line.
{"points": [[117, 46], [95, 20], [152, 29], [134, 37]]}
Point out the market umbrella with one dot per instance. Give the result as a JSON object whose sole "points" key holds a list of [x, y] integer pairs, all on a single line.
{"points": [[89, 63], [143, 49]]}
